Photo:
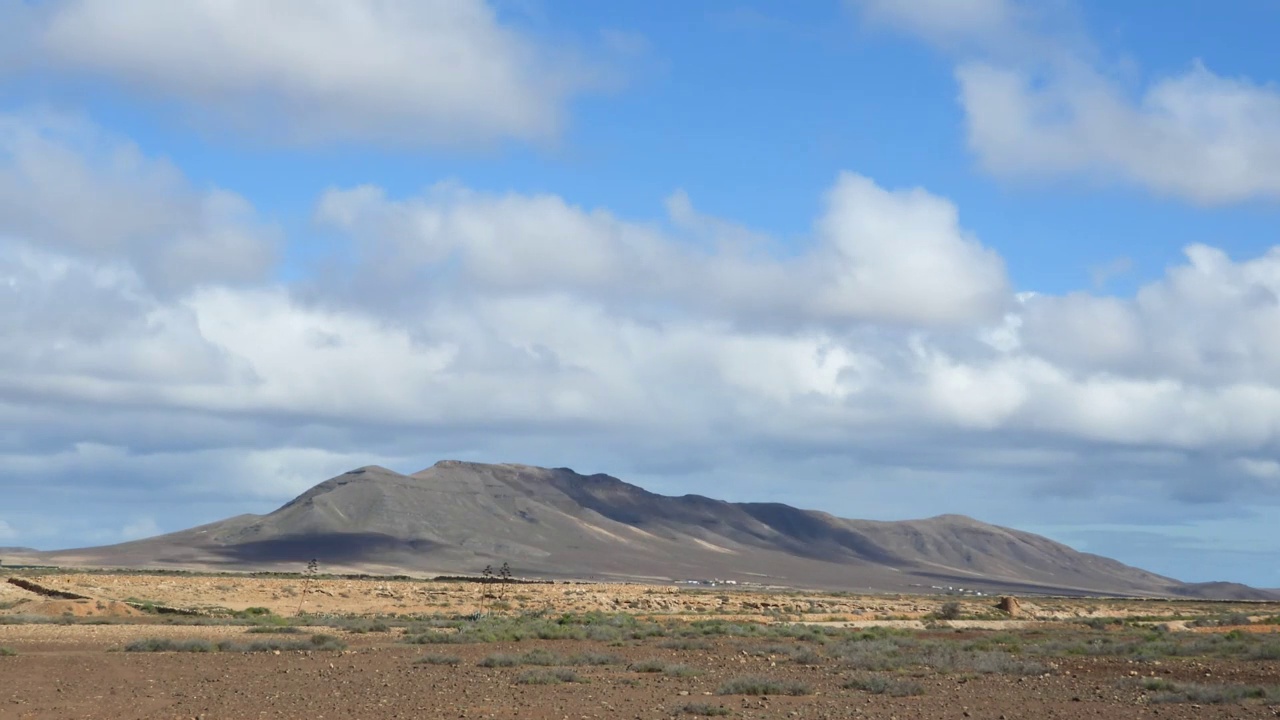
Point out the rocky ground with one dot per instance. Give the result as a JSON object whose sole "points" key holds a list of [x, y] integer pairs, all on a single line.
{"points": [[648, 652], [289, 595]]}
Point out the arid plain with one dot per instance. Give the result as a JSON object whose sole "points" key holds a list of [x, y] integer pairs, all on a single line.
{"points": [[170, 645]]}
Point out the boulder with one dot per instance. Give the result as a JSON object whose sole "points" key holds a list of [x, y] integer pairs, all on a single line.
{"points": [[1010, 605]]}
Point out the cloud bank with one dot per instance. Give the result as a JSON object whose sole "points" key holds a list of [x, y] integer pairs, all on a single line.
{"points": [[396, 72]]}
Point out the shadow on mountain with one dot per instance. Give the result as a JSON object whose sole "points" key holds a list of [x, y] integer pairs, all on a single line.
{"points": [[333, 548]]}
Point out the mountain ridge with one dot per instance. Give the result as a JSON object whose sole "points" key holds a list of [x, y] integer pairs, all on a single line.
{"points": [[456, 517]]}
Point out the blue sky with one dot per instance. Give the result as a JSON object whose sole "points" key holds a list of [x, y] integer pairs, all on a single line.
{"points": [[1012, 258]]}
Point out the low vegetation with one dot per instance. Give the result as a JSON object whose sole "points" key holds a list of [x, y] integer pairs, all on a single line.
{"points": [[1169, 691], [548, 676], [316, 642], [663, 667], [756, 685], [7, 652], [705, 710], [882, 685], [438, 660]]}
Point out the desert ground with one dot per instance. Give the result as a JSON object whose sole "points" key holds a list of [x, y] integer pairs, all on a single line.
{"points": [[175, 645]]}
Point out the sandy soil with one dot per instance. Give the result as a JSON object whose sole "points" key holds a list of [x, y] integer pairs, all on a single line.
{"points": [[286, 596], [65, 668]]}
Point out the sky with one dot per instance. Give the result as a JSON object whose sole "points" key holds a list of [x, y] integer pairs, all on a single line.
{"points": [[1017, 260]]}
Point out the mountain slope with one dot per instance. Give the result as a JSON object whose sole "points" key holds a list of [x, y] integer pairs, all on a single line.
{"points": [[456, 517]]}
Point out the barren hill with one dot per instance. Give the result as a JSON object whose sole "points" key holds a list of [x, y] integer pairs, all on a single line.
{"points": [[457, 517]]}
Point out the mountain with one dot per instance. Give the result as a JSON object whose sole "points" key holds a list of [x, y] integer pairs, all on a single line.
{"points": [[457, 517]]}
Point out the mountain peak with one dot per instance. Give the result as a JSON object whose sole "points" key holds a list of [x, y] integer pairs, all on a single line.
{"points": [[458, 516]]}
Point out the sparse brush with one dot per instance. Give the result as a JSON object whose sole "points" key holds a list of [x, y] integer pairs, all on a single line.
{"points": [[949, 611], [500, 660], [763, 686], [169, 645], [7, 652], [274, 630], [1227, 620], [545, 676], [316, 642], [722, 628], [880, 685], [1001, 663], [705, 710], [320, 641], [1175, 692], [796, 653], [435, 638], [438, 660], [540, 657], [1100, 623], [589, 658], [684, 644], [360, 626]]}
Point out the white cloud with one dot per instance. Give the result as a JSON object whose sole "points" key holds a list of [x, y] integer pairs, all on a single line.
{"points": [[1041, 102], [1210, 320], [903, 256], [410, 72], [892, 318], [943, 21], [6, 531], [69, 187], [1197, 135], [877, 255]]}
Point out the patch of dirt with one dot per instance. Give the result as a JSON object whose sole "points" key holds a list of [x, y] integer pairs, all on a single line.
{"points": [[379, 678], [80, 609]]}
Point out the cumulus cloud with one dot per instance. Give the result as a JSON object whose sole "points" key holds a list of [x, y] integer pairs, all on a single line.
{"points": [[1210, 320], [1041, 102], [405, 72], [65, 185], [897, 256], [1197, 135]]}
